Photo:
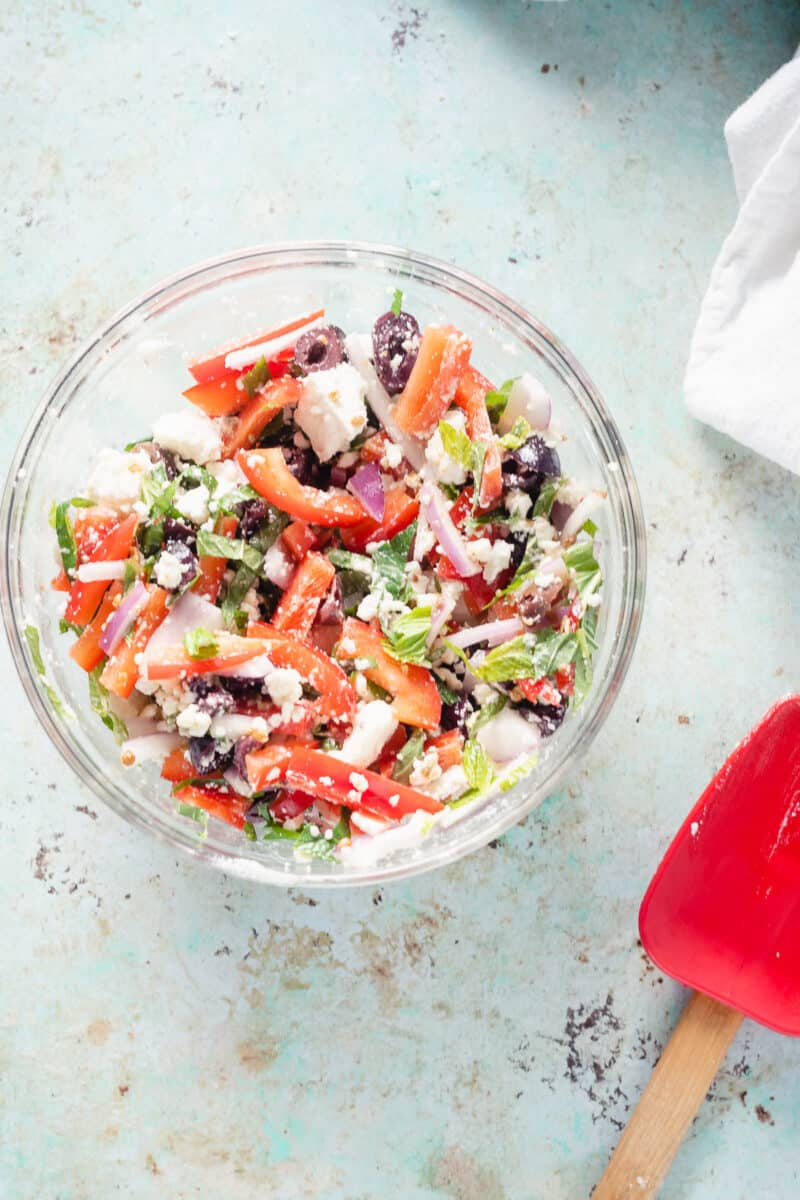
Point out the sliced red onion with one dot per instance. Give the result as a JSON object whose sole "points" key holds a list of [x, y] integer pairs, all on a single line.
{"points": [[559, 515], [190, 612], [444, 609], [577, 520], [96, 572], [152, 746], [234, 779], [279, 566], [359, 351], [493, 632], [254, 668], [120, 622], [235, 725], [447, 535], [367, 486], [237, 359]]}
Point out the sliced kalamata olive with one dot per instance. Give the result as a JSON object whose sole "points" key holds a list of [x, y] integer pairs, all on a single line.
{"points": [[526, 467], [157, 454], [207, 755], [176, 531], [547, 716], [519, 541], [532, 609], [186, 558], [395, 345], [243, 747], [210, 697], [331, 611], [254, 514], [242, 689], [306, 467], [454, 716], [320, 349]]}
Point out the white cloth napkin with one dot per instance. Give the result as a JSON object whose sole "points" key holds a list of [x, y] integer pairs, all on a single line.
{"points": [[743, 375]]}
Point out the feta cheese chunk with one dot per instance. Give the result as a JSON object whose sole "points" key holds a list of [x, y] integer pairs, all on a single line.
{"points": [[116, 478], [194, 504], [229, 476], [494, 557], [374, 725], [191, 435], [193, 722], [440, 466], [168, 571], [285, 688], [332, 409], [426, 770]]}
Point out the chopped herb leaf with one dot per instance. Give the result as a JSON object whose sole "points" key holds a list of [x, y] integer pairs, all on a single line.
{"points": [[158, 493], [130, 575], [249, 831], [141, 442], [67, 627], [256, 377], [529, 656], [588, 576], [547, 496], [389, 562], [447, 694], [229, 501], [235, 549], [245, 576], [195, 814], [407, 639], [497, 400], [200, 643], [527, 567], [81, 502], [519, 772], [517, 435], [407, 756], [490, 709], [477, 767], [66, 537], [347, 561], [397, 302]]}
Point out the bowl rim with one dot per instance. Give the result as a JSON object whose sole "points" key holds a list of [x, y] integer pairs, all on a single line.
{"points": [[231, 862]]}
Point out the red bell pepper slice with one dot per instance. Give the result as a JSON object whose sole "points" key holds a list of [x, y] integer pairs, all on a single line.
{"points": [[219, 397], [211, 568], [122, 670], [339, 782], [85, 597], [540, 691], [267, 767], [87, 652], [90, 525], [268, 473], [442, 360], [60, 582], [400, 510], [471, 397], [449, 748], [223, 803], [416, 696], [299, 604], [290, 805], [299, 538], [172, 661], [177, 768], [337, 696], [257, 414], [212, 366]]}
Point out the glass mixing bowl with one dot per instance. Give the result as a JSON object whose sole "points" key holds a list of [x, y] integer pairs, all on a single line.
{"points": [[134, 368]]}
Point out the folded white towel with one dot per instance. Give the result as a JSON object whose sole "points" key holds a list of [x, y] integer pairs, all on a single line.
{"points": [[743, 375]]}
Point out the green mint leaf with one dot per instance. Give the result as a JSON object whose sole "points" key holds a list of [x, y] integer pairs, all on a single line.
{"points": [[547, 496], [397, 302], [66, 537], [256, 377], [457, 445], [527, 567], [513, 776], [517, 435], [248, 829], [197, 474], [229, 501], [529, 656], [130, 575], [158, 493], [235, 549], [195, 814], [588, 576], [490, 709], [245, 576], [389, 562], [200, 643], [497, 400], [141, 442], [447, 694], [67, 627], [347, 561], [100, 703], [407, 639], [477, 767], [408, 755], [81, 502]]}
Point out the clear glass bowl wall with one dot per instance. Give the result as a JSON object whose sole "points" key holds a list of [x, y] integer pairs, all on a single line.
{"points": [[134, 369]]}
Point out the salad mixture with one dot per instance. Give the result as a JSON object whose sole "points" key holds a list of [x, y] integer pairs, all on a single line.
{"points": [[344, 591]]}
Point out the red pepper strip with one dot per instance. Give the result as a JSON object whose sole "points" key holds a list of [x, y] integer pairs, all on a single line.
{"points": [[341, 783], [122, 669], [337, 696], [87, 652], [416, 696], [449, 748], [267, 767], [172, 661], [400, 510], [85, 597], [471, 397], [177, 768], [212, 569], [268, 473], [299, 538], [299, 604], [228, 806], [443, 357], [254, 418], [213, 365]]}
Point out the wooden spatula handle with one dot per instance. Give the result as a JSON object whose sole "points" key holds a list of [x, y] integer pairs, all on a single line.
{"points": [[668, 1104]]}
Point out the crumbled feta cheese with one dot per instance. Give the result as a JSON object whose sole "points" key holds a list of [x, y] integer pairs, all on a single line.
{"points": [[194, 504], [426, 770], [192, 435], [347, 647], [392, 456], [517, 503], [168, 571], [374, 725], [251, 605], [440, 466], [451, 784], [361, 684], [193, 722], [382, 604], [358, 782], [285, 688], [543, 531], [368, 608], [331, 410], [498, 560], [229, 476], [116, 478]]}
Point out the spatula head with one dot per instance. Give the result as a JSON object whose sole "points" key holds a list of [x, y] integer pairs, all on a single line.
{"points": [[722, 913]]}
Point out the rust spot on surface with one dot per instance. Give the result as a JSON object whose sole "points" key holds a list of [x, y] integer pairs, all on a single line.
{"points": [[151, 1165], [255, 1058], [683, 719], [123, 1088], [764, 1115], [457, 1174], [99, 1031]]}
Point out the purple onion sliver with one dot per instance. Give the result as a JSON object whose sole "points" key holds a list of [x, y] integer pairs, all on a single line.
{"points": [[493, 632], [119, 624], [446, 533], [367, 486]]}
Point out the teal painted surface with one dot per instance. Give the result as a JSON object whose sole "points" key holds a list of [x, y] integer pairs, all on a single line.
{"points": [[481, 1033]]}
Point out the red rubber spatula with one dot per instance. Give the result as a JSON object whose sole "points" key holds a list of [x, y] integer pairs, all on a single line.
{"points": [[722, 915]]}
